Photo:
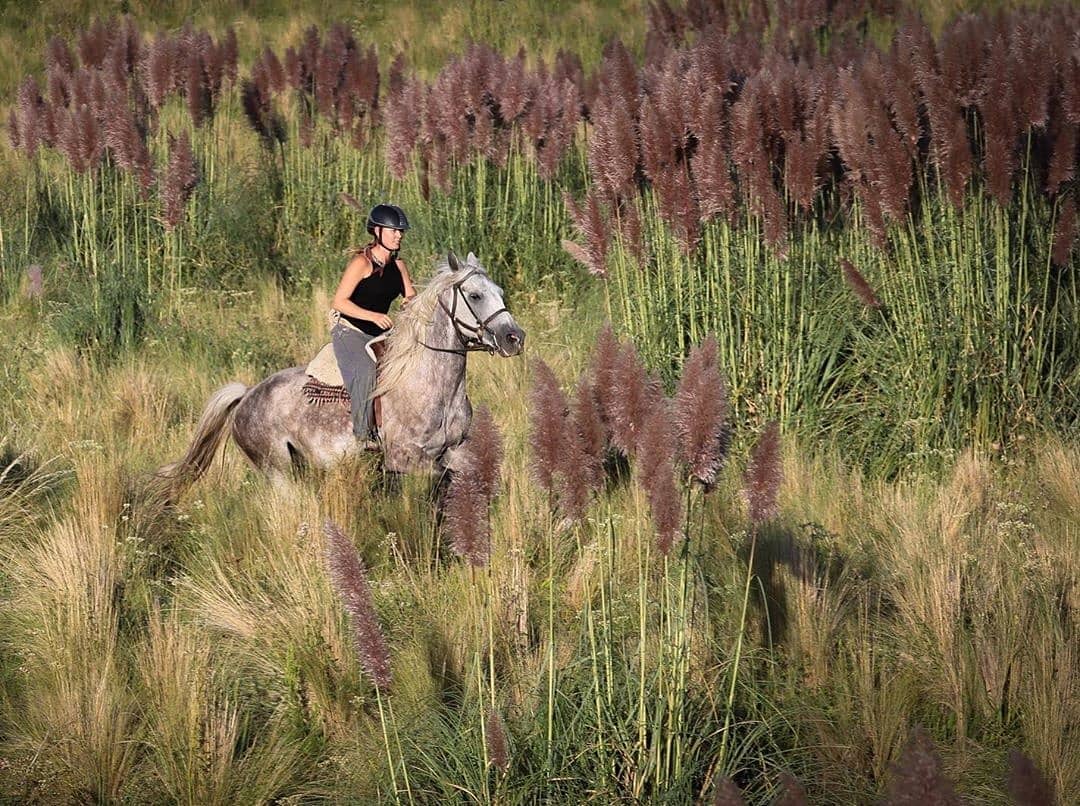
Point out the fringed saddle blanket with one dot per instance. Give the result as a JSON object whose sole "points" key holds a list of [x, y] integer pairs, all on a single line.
{"points": [[324, 383], [317, 393]]}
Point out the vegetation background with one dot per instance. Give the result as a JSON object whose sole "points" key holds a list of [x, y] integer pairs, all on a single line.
{"points": [[872, 597]]}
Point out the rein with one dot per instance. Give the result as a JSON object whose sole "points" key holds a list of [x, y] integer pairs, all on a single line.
{"points": [[473, 341]]}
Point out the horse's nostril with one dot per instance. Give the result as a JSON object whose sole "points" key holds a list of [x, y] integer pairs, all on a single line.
{"points": [[514, 337]]}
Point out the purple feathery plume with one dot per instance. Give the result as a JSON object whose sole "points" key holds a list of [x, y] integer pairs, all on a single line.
{"points": [[466, 519], [158, 66], [858, 284], [613, 148], [471, 489], [403, 122], [591, 224], [951, 150], [764, 475], [589, 431], [58, 55], [181, 177], [274, 70], [294, 69], [654, 464], [918, 776], [126, 141], [214, 67], [94, 42], [29, 124], [665, 503], [230, 53], [602, 369], [495, 737], [1000, 121], [483, 452], [725, 793], [700, 415], [791, 792], [1062, 166], [508, 89], [1027, 785], [547, 410], [711, 168], [656, 445], [80, 139], [197, 90], [1064, 232], [349, 579], [635, 395]]}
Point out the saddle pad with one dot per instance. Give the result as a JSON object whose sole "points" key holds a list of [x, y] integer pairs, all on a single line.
{"points": [[324, 367], [319, 393]]}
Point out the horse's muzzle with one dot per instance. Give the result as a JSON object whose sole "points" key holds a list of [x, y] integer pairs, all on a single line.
{"points": [[511, 340]]}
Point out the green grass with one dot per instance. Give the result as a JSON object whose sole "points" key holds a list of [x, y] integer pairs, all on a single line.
{"points": [[196, 652]]}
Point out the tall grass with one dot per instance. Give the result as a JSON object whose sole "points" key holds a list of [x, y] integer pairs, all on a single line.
{"points": [[622, 629], [197, 652]]}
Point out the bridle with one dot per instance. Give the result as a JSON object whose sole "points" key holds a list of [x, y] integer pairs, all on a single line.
{"points": [[470, 336]]}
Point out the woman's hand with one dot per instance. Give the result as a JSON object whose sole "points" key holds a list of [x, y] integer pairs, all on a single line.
{"points": [[380, 320]]}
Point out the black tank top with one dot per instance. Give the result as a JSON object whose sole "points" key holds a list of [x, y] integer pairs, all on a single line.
{"points": [[375, 292]]}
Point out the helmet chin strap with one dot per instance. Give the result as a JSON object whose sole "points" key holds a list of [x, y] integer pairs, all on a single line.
{"points": [[378, 240]]}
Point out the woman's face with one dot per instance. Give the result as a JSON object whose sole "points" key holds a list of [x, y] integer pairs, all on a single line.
{"points": [[391, 238]]}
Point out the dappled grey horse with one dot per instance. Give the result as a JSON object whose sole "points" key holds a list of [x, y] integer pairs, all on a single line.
{"points": [[425, 411]]}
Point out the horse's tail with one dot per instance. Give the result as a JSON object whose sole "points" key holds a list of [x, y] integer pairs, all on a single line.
{"points": [[209, 434]]}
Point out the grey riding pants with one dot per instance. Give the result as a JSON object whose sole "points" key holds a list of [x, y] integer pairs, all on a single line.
{"points": [[358, 372]]}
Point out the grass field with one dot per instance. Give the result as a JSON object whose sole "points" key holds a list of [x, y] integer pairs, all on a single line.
{"points": [[872, 600]]}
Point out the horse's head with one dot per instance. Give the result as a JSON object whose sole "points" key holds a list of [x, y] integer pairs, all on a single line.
{"points": [[475, 304]]}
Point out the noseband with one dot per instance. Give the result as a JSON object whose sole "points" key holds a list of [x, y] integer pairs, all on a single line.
{"points": [[470, 336]]}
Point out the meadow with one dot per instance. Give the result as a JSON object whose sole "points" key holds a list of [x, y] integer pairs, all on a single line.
{"points": [[781, 505]]}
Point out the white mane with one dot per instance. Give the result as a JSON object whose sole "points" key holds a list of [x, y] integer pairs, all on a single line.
{"points": [[403, 347]]}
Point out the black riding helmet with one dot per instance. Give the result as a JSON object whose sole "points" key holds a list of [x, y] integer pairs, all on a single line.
{"points": [[387, 215]]}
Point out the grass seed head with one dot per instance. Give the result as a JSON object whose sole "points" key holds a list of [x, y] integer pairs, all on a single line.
{"points": [[349, 580]]}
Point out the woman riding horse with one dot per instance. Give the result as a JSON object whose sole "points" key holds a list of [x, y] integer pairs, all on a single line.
{"points": [[372, 280]]}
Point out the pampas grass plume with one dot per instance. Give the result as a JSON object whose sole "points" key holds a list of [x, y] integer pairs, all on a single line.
{"points": [[547, 409], [181, 177], [918, 777], [471, 489], [791, 792], [484, 451], [1064, 232], [859, 285], [764, 475], [1027, 785], [495, 737], [349, 580], [700, 415], [725, 793]]}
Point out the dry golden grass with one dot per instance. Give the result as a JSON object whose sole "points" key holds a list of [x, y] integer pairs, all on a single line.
{"points": [[154, 641]]}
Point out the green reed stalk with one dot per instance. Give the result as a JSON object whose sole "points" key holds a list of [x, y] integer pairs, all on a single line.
{"points": [[401, 754], [550, 635], [601, 743], [386, 744], [725, 733], [643, 594]]}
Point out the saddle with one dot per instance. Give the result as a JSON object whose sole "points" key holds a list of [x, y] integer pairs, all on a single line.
{"points": [[325, 384]]}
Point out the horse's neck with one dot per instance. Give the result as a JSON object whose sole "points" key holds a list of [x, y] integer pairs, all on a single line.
{"points": [[448, 368]]}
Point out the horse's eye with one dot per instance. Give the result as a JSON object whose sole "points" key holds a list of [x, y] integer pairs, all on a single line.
{"points": [[474, 297]]}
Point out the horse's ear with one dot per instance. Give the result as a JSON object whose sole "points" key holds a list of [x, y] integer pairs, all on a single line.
{"points": [[472, 260], [453, 261]]}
